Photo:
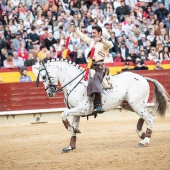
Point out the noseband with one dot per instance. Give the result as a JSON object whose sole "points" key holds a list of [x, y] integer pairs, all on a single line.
{"points": [[51, 86]]}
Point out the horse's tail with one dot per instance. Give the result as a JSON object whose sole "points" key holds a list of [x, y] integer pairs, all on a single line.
{"points": [[161, 97]]}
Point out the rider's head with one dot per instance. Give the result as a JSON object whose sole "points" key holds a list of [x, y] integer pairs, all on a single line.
{"points": [[96, 31]]}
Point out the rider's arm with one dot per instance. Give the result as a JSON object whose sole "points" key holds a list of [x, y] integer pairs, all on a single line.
{"points": [[106, 43], [83, 37]]}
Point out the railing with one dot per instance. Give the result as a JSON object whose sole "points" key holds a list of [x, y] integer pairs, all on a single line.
{"points": [[26, 96]]}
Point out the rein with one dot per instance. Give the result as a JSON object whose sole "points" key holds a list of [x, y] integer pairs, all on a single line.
{"points": [[59, 90]]}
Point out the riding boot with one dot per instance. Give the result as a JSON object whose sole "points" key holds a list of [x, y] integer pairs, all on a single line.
{"points": [[97, 104]]}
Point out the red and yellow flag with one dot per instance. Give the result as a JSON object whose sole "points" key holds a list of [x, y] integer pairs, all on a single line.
{"points": [[89, 64], [66, 48]]}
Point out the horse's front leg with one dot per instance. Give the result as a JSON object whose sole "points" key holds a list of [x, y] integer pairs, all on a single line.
{"points": [[71, 112], [75, 124]]}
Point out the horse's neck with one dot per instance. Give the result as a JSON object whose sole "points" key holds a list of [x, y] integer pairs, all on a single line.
{"points": [[69, 72]]}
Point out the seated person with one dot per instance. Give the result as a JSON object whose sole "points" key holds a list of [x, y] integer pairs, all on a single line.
{"points": [[158, 66], [126, 67], [80, 59], [48, 57], [140, 66], [30, 60], [8, 63], [25, 77], [133, 56], [118, 57]]}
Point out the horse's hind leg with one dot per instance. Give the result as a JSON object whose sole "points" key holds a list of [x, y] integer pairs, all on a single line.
{"points": [[143, 112], [75, 124]]}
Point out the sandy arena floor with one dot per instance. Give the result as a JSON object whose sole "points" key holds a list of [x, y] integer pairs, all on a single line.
{"points": [[106, 143]]}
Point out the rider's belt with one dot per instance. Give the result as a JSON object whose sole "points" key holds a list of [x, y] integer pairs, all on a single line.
{"points": [[98, 61]]}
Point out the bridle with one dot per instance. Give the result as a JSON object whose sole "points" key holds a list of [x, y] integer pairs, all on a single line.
{"points": [[53, 87]]}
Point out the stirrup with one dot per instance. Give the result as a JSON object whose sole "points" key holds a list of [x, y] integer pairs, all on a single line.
{"points": [[98, 109]]}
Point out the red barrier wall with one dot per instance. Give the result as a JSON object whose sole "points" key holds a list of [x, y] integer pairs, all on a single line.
{"points": [[26, 96]]}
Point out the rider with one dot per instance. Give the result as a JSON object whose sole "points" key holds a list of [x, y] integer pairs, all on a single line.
{"points": [[102, 46]]}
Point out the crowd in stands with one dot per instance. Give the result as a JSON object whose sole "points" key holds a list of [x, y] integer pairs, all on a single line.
{"points": [[36, 30]]}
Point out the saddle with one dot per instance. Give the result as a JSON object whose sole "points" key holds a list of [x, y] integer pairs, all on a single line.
{"points": [[106, 84]]}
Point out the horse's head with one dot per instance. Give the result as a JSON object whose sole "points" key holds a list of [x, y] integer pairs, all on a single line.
{"points": [[49, 79]]}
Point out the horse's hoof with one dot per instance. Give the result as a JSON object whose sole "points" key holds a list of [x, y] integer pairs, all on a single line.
{"points": [[140, 145], [143, 135], [67, 149], [77, 131]]}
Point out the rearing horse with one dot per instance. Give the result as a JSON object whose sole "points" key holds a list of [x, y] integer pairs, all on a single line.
{"points": [[127, 86]]}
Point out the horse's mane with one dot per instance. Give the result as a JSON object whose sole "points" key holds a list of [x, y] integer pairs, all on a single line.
{"points": [[66, 61]]}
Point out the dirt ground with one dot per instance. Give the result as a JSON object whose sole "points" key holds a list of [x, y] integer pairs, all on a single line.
{"points": [[106, 143]]}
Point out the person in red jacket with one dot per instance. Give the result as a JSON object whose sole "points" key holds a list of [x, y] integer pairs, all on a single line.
{"points": [[23, 54]]}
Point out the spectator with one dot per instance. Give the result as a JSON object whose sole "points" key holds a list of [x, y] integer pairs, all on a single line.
{"points": [[126, 67], [42, 53], [16, 42], [59, 32], [118, 57], [142, 41], [133, 56], [23, 54], [33, 37], [161, 13], [8, 62], [124, 51], [153, 55], [158, 66], [139, 66], [44, 35], [18, 61], [50, 6], [122, 11], [48, 57], [25, 77], [73, 54], [80, 59], [30, 61], [49, 41], [165, 54], [3, 56], [53, 52]]}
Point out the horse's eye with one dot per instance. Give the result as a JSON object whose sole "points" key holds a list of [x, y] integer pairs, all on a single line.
{"points": [[43, 77]]}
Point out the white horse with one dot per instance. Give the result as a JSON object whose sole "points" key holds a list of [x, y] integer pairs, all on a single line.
{"points": [[127, 86]]}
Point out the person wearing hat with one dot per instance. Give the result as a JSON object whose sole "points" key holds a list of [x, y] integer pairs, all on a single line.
{"points": [[142, 40], [161, 13], [16, 42], [124, 50], [50, 6], [126, 67], [158, 66], [102, 46]]}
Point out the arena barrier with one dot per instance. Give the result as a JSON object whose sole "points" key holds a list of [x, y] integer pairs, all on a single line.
{"points": [[13, 75], [27, 99]]}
